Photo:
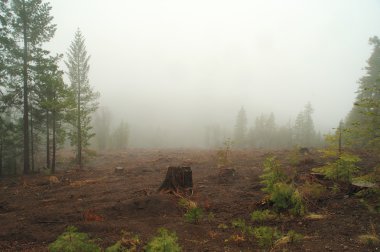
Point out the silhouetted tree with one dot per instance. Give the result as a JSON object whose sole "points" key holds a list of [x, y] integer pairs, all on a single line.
{"points": [[240, 132], [304, 133]]}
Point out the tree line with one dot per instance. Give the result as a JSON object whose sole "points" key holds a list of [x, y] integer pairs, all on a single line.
{"points": [[39, 111], [265, 133]]}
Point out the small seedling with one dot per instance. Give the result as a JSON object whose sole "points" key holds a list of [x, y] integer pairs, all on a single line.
{"points": [[72, 240], [261, 216], [165, 241], [266, 236], [194, 215]]}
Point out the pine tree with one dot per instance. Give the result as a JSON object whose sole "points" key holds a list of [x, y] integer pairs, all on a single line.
{"points": [[102, 127], [86, 99], [363, 121], [304, 133], [31, 25], [240, 132], [120, 136]]}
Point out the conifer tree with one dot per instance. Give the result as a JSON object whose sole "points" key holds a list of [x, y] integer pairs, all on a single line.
{"points": [[304, 133], [86, 99], [32, 25], [240, 132], [363, 121]]}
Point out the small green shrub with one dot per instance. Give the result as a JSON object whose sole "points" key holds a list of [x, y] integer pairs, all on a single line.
{"points": [[165, 241], [286, 197], [238, 223], [71, 241], [369, 239], [272, 174], [194, 215], [242, 226], [312, 191], [294, 236], [224, 154], [266, 236], [342, 169], [261, 216]]}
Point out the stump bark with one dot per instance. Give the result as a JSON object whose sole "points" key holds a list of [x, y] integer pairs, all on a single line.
{"points": [[178, 179]]}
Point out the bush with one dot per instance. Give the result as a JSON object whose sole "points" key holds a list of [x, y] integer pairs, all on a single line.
{"points": [[312, 191], [165, 241], [294, 236], [286, 197], [72, 241], [272, 174], [194, 215], [342, 169], [266, 236], [240, 224]]}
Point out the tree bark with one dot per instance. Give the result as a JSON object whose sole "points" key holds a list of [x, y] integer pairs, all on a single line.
{"points": [[178, 179], [25, 94], [47, 140], [78, 122], [54, 142], [31, 137]]}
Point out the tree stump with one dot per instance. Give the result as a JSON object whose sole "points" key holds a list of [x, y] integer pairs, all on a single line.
{"points": [[178, 179], [119, 170]]}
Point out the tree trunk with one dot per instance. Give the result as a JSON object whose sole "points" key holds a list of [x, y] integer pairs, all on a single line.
{"points": [[79, 124], [54, 142], [178, 179], [47, 140], [32, 137], [25, 94], [1, 156]]}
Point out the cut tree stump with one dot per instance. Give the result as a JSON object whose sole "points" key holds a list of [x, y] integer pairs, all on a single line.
{"points": [[119, 170], [178, 179]]}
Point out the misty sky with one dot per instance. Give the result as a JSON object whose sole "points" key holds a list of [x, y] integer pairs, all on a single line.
{"points": [[172, 64]]}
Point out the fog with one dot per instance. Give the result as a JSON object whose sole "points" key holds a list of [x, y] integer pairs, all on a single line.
{"points": [[170, 68]]}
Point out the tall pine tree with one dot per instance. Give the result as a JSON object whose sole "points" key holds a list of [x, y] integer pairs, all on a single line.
{"points": [[240, 132], [363, 121], [86, 99], [32, 25]]}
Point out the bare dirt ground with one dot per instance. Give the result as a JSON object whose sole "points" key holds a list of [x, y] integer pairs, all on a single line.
{"points": [[34, 210]]}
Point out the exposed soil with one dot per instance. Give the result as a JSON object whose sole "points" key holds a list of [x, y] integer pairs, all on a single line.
{"points": [[35, 210]]}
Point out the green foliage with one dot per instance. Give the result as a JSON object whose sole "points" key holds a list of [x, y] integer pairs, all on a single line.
{"points": [[86, 99], [272, 174], [312, 191], [364, 118], [343, 169], [222, 226], [266, 236], [165, 241], [242, 226], [72, 241], [194, 215], [286, 197], [293, 236], [261, 216]]}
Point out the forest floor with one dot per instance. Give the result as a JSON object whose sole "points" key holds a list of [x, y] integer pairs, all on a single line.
{"points": [[35, 210]]}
